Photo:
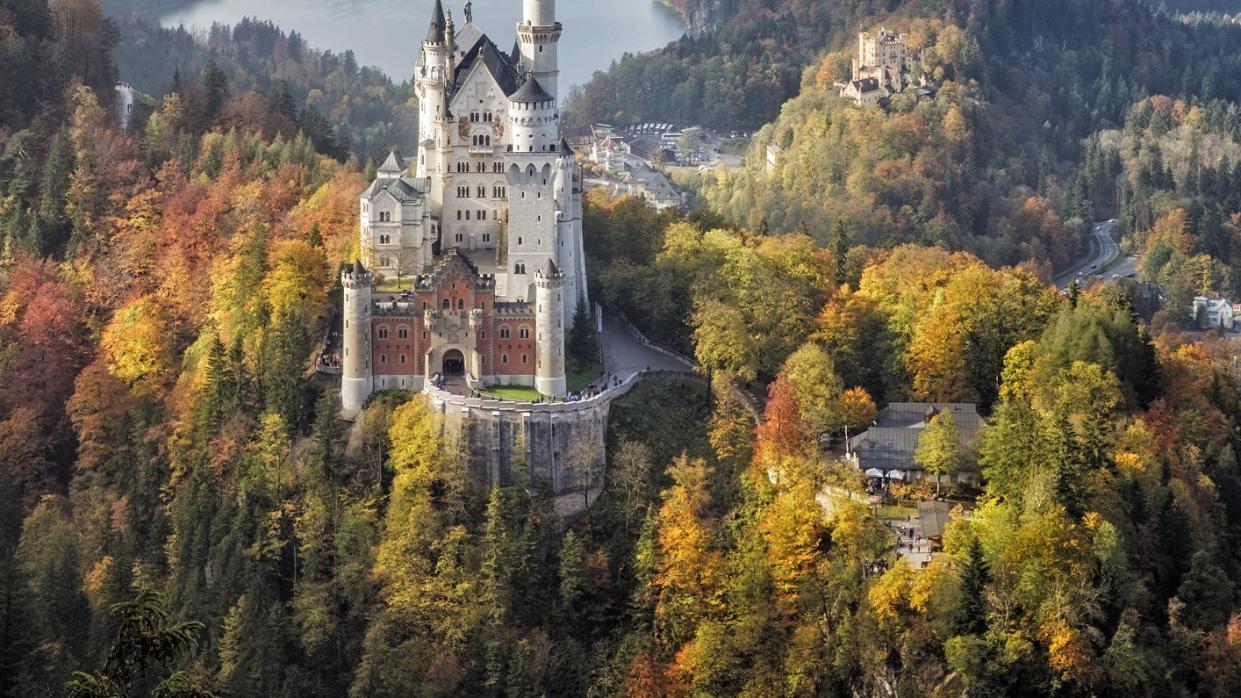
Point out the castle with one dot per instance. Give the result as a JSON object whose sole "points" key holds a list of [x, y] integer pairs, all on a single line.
{"points": [[883, 67], [472, 267]]}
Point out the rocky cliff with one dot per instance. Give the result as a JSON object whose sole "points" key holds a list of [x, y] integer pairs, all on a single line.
{"points": [[701, 16]]}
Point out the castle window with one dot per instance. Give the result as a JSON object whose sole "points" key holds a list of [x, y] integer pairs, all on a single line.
{"points": [[383, 359], [482, 215], [518, 239], [447, 304], [460, 304], [504, 358], [482, 191], [382, 332], [402, 333], [486, 237], [385, 239], [482, 334], [458, 215], [402, 358], [524, 333], [525, 359], [467, 215], [460, 237], [519, 268], [504, 333]]}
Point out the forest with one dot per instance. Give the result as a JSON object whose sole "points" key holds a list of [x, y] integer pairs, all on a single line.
{"points": [[182, 514]]}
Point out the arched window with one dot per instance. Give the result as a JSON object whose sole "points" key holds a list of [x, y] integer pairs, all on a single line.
{"points": [[525, 359], [460, 304], [447, 304], [504, 358], [524, 333], [383, 359], [504, 333], [519, 268], [402, 358], [402, 333], [382, 332]]}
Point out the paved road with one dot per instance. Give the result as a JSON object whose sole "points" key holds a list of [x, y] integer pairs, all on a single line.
{"points": [[624, 355], [1105, 251], [124, 104]]}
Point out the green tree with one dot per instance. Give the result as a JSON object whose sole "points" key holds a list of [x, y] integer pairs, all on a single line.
{"points": [[971, 613], [939, 447], [583, 342], [147, 640]]}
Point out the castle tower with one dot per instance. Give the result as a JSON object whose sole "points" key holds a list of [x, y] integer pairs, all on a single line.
{"points": [[549, 371], [538, 33], [535, 122], [357, 380], [431, 86]]}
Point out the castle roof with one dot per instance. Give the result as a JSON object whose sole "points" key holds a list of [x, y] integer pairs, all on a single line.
{"points": [[468, 36], [401, 188], [392, 165], [358, 269], [564, 146], [531, 92], [493, 60], [435, 33]]}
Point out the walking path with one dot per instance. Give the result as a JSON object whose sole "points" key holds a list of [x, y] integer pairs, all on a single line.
{"points": [[624, 355]]}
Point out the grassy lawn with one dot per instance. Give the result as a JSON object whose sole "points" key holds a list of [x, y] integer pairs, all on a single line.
{"points": [[579, 377], [891, 513], [519, 393]]}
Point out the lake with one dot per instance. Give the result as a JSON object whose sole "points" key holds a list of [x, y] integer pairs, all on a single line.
{"points": [[389, 33]]}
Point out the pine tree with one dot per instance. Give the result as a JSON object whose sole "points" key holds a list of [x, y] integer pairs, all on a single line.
{"points": [[215, 84], [283, 388], [583, 345], [840, 252], [572, 573], [52, 221], [971, 615]]}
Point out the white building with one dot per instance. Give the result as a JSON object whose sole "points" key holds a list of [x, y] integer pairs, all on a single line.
{"points": [[492, 175], [1212, 312]]}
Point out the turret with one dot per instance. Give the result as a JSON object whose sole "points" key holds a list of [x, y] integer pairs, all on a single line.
{"points": [[432, 81], [357, 377], [535, 123], [549, 371], [539, 34]]}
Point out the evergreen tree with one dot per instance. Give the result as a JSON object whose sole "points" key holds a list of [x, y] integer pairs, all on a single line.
{"points": [[840, 253], [52, 221], [148, 639], [215, 84], [971, 614], [572, 571], [283, 388], [583, 343]]}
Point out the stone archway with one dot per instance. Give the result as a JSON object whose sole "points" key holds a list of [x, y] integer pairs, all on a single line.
{"points": [[454, 364]]}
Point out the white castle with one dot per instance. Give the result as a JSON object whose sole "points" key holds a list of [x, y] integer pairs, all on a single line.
{"points": [[472, 265]]}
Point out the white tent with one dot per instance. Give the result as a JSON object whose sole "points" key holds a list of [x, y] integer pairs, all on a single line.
{"points": [[874, 472], [896, 474]]}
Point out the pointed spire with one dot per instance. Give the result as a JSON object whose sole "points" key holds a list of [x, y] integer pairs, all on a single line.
{"points": [[435, 34], [564, 147], [391, 166], [516, 55]]}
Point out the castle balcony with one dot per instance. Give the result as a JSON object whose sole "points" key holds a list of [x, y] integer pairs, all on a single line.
{"points": [[482, 150]]}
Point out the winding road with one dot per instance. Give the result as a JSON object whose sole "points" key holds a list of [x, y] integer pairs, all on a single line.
{"points": [[1105, 250]]}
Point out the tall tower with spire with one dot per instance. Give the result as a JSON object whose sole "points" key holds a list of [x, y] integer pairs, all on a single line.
{"points": [[538, 34]]}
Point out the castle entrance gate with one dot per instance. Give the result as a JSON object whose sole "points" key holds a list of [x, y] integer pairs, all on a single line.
{"points": [[454, 363]]}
